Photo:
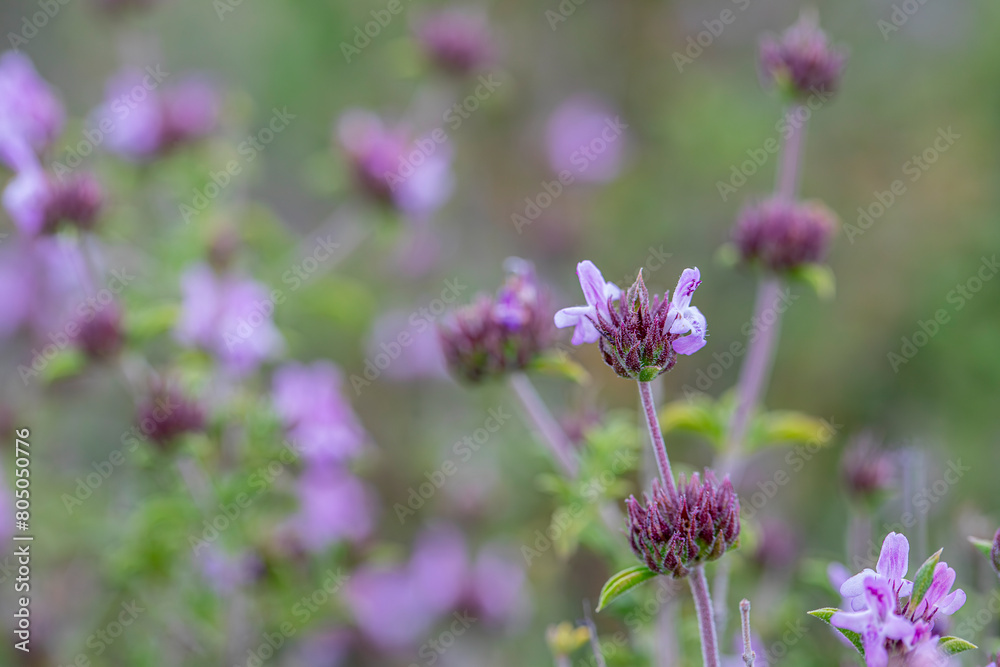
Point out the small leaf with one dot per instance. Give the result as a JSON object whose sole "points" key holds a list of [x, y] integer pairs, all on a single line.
{"points": [[984, 546], [787, 426], [924, 577], [64, 364], [955, 645], [819, 277], [559, 363], [826, 614], [623, 582], [145, 323]]}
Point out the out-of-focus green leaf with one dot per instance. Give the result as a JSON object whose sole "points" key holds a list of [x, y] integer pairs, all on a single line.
{"points": [[818, 276], [145, 323], [984, 546], [64, 364], [557, 362], [786, 426], [623, 582], [701, 415]]}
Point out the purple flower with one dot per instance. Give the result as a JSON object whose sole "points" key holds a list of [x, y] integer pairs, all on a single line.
{"points": [[27, 199], [802, 61], [419, 353], [891, 568], [166, 413], [457, 39], [224, 572], [598, 294], [877, 622], [99, 334], [40, 284], [149, 118], [584, 137], [228, 316], [38, 203], [413, 177], [689, 319], [6, 513], [783, 235], [496, 587], [31, 116], [867, 469], [388, 607], [318, 418], [333, 506], [439, 568]]}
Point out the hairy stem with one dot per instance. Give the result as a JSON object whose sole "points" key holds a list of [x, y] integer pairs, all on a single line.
{"points": [[706, 621], [552, 433], [748, 654], [656, 438]]}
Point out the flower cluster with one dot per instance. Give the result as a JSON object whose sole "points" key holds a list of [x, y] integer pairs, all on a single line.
{"points": [[867, 469], [782, 235], [457, 40], [671, 535], [891, 617], [802, 62], [641, 337], [166, 413], [326, 434], [502, 334]]}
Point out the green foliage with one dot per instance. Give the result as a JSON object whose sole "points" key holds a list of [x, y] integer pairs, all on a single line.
{"points": [[955, 645], [826, 614], [623, 582], [924, 577]]}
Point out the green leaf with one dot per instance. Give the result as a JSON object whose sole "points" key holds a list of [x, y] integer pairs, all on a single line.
{"points": [[559, 363], [955, 645], [696, 416], [786, 426], [819, 277], [146, 323], [826, 614], [984, 546], [64, 364], [924, 577], [623, 582]]}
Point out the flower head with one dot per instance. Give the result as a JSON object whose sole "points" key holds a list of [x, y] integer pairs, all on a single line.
{"points": [[100, 335], [31, 116], [318, 418], [228, 316], [457, 40], [333, 506], [166, 413], [782, 234], [802, 61], [391, 168], [501, 334], [673, 535], [40, 204], [641, 337], [867, 469], [877, 622], [586, 137]]}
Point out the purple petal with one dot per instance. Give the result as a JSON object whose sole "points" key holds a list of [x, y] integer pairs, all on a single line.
{"points": [[688, 283], [570, 317], [856, 621], [592, 282], [892, 562], [855, 586], [952, 603]]}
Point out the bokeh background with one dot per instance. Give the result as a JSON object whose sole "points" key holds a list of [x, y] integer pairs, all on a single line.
{"points": [[688, 127]]}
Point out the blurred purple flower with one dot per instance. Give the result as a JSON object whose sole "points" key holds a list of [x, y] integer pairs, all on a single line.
{"points": [[777, 548], [868, 470], [412, 176], [497, 586], [333, 506], [457, 39], [225, 572], [783, 235], [319, 420], [327, 648], [38, 203], [802, 62], [166, 413], [149, 119], [440, 568], [228, 316], [31, 116], [6, 512], [41, 281], [585, 136], [100, 334], [388, 607]]}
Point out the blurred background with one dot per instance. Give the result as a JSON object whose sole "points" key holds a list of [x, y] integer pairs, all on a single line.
{"points": [[318, 567]]}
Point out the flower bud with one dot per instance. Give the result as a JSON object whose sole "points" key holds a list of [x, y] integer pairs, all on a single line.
{"points": [[867, 470], [76, 201], [802, 62], [166, 413], [100, 337], [672, 535], [783, 235], [497, 335], [456, 40]]}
